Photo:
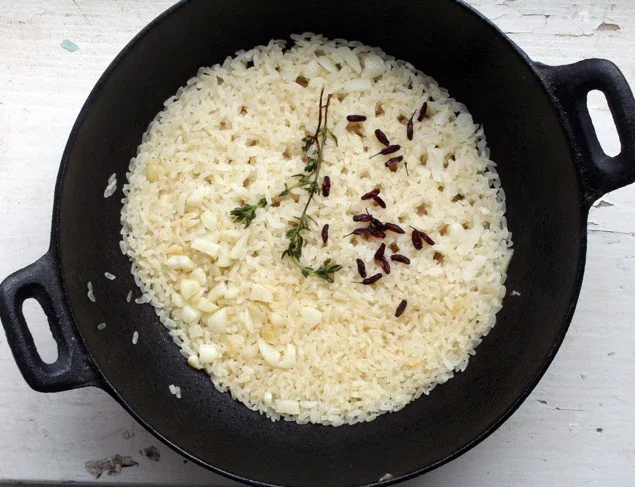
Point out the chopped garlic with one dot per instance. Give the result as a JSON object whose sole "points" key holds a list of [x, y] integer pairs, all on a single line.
{"points": [[250, 351], [199, 275], [277, 319], [310, 316], [218, 321], [273, 357], [289, 358], [208, 219], [232, 292], [261, 293], [223, 258], [177, 300], [373, 66], [196, 331], [174, 250], [270, 354], [245, 319], [208, 353], [257, 311], [312, 69], [189, 314], [238, 248], [268, 333], [196, 198], [206, 306], [217, 292], [194, 362], [206, 246], [189, 287], [180, 262]]}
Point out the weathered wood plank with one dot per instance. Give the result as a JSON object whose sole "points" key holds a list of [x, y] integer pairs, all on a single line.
{"points": [[576, 428]]}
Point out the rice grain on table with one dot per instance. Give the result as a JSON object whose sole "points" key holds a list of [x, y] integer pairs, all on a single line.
{"points": [[304, 349], [111, 187]]}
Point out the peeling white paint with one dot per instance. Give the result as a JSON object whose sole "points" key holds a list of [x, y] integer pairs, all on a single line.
{"points": [[558, 18]]}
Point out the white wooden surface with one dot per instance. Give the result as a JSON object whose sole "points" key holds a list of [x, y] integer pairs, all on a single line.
{"points": [[577, 428]]}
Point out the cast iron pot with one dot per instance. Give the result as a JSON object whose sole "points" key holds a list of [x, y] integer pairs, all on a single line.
{"points": [[552, 169]]}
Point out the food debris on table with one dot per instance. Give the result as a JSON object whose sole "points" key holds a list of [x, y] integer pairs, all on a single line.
{"points": [[152, 453], [110, 465], [69, 45]]}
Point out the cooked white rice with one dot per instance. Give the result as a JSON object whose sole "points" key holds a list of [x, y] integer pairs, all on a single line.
{"points": [[304, 349], [90, 293], [175, 390], [111, 187]]}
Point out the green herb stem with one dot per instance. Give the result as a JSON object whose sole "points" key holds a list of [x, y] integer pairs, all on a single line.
{"points": [[313, 147]]}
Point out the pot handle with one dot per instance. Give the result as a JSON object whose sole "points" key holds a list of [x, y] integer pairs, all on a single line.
{"points": [[73, 367], [569, 85]]}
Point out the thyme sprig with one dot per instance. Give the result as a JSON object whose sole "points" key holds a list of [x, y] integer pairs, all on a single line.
{"points": [[246, 214], [313, 148], [325, 271]]}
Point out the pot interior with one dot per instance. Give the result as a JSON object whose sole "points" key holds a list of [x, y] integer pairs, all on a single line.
{"points": [[481, 69]]}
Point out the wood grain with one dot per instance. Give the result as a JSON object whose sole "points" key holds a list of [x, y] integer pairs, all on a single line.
{"points": [[575, 429]]}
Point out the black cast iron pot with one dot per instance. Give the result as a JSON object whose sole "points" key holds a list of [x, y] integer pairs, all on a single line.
{"points": [[552, 169]]}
